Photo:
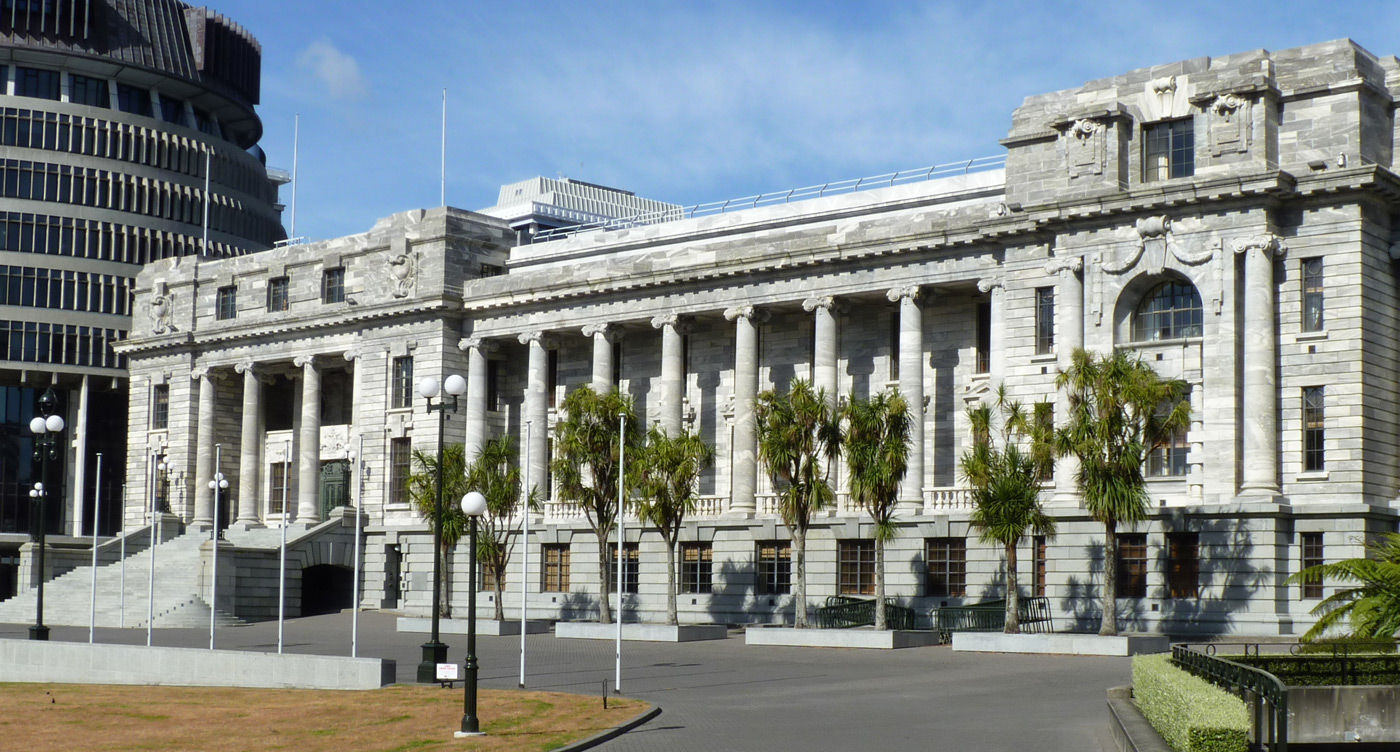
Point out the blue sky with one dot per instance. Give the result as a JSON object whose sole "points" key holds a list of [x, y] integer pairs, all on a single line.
{"points": [[696, 102]]}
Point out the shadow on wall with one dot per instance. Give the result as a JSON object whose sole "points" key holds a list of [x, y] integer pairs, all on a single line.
{"points": [[734, 592], [577, 606]]}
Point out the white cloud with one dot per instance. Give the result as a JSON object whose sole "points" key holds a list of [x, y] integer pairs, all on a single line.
{"points": [[336, 72]]}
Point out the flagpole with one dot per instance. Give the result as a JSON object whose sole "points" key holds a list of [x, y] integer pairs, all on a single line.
{"points": [[296, 141], [444, 147], [525, 555], [96, 518], [358, 463]]}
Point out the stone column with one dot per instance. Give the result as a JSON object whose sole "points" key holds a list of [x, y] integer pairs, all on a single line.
{"points": [[309, 442], [996, 359], [744, 483], [1260, 414], [79, 432], [603, 336], [1069, 336], [250, 452], [476, 349], [204, 449], [537, 408], [673, 329], [823, 312], [911, 385]]}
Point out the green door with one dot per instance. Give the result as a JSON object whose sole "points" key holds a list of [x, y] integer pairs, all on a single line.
{"points": [[335, 485]]}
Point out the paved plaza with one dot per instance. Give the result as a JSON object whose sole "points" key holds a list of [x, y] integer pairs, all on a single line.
{"points": [[724, 695]]}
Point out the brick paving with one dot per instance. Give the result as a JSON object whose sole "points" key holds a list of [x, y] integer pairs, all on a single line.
{"points": [[724, 695]]}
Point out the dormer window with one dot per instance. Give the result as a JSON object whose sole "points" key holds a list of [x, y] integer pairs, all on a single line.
{"points": [[1169, 150]]}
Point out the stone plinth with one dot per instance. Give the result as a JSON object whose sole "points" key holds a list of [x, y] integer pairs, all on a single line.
{"points": [[424, 625], [840, 638], [1059, 644], [587, 630]]}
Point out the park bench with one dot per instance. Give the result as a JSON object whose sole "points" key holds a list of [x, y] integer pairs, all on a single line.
{"points": [[990, 616], [845, 612]]}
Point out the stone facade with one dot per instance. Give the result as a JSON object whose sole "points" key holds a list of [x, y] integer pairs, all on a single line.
{"points": [[1217, 183]]}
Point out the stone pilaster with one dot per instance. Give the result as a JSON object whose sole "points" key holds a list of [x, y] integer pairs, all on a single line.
{"points": [[673, 330], [824, 354], [204, 449], [309, 442], [996, 359], [250, 453], [911, 385], [476, 349], [1260, 414], [1069, 336], [744, 484], [537, 408]]}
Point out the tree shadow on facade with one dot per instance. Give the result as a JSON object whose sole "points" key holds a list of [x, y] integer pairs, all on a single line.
{"points": [[1226, 567], [577, 606], [734, 590]]}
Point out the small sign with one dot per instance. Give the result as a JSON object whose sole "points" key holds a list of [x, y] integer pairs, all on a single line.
{"points": [[448, 672]]}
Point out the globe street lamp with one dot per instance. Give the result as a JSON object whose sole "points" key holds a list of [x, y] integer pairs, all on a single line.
{"points": [[219, 484], [46, 427], [434, 652], [473, 505]]}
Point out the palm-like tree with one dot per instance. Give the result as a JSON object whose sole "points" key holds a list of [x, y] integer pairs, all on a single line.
{"points": [[1119, 411], [422, 489], [1372, 608], [877, 453], [798, 435], [671, 468], [586, 466], [496, 475], [1004, 467]]}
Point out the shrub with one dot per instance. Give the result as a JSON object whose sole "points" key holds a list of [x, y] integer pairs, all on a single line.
{"points": [[1190, 713]]}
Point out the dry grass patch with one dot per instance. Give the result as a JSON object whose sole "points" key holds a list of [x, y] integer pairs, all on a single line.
{"points": [[39, 717]]}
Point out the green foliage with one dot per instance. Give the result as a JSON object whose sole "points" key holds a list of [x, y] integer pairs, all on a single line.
{"points": [[586, 463], [496, 474], [1190, 713], [1372, 607], [422, 490], [670, 472], [798, 436], [877, 453], [1323, 670], [1004, 469], [1119, 411]]}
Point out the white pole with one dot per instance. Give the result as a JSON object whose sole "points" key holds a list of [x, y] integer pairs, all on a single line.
{"points": [[155, 534], [444, 147], [621, 507], [204, 249], [296, 140], [525, 549], [96, 518], [121, 599], [216, 484], [357, 464], [282, 565]]}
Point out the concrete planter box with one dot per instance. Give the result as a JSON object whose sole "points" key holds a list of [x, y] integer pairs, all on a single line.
{"points": [[491, 627], [1344, 714], [840, 638], [587, 630], [1059, 644]]}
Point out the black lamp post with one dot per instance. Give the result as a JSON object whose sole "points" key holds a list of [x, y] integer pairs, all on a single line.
{"points": [[473, 505], [434, 652], [45, 427]]}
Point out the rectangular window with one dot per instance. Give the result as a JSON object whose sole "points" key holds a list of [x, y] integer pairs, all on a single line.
{"points": [[226, 303], [946, 559], [1169, 459], [333, 285], [1183, 565], [855, 567], [1312, 557], [1312, 295], [1314, 433], [400, 453], [1044, 417], [774, 568], [401, 379], [278, 473], [488, 577], [134, 100], [1039, 565], [33, 82], [984, 337], [1132, 565], [160, 406], [277, 294], [555, 572], [491, 270], [493, 380], [172, 110], [617, 364], [1044, 320], [631, 561], [894, 346], [88, 91], [552, 380], [1169, 150], [697, 560]]}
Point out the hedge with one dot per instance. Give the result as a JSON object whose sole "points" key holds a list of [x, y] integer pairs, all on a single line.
{"points": [[1190, 713]]}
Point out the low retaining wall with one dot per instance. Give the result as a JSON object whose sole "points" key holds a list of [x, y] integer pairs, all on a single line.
{"points": [[82, 663], [887, 639], [1368, 714], [588, 630], [1059, 644], [424, 625]]}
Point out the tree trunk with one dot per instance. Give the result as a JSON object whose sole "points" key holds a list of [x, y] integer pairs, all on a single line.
{"points": [[604, 603], [880, 585], [1109, 626], [1013, 592], [445, 601], [671, 583], [500, 568], [799, 540]]}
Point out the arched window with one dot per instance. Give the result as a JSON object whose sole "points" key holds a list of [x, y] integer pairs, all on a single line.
{"points": [[1172, 310]]}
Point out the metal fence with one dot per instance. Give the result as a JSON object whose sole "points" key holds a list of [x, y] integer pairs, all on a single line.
{"points": [[1264, 693]]}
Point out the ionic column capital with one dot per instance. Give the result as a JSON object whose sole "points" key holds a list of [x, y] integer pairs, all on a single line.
{"points": [[897, 294], [1268, 243], [200, 372], [677, 322], [610, 331], [481, 344], [990, 283], [246, 366], [746, 311], [826, 302], [541, 338], [302, 361], [351, 355], [1064, 264]]}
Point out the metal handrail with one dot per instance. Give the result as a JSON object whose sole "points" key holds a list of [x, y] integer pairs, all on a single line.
{"points": [[922, 174], [1265, 692]]}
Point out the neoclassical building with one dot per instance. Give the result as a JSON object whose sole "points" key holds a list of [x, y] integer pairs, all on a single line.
{"points": [[127, 134], [1229, 220]]}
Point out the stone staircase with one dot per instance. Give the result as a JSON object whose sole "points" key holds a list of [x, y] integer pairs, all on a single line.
{"points": [[178, 569]]}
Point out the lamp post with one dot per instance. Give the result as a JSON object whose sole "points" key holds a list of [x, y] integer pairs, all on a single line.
{"points": [[219, 484], [473, 505], [45, 427], [434, 652]]}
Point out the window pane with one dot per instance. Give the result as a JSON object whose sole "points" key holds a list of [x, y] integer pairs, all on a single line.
{"points": [[947, 566], [1312, 295]]}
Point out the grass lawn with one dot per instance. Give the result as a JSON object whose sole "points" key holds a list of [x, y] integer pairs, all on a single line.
{"points": [[38, 717]]}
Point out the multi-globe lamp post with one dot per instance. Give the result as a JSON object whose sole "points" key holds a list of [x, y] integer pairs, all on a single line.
{"points": [[473, 505], [434, 652], [46, 427], [219, 485]]}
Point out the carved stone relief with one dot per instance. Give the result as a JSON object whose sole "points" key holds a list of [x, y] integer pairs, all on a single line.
{"points": [[162, 311], [1086, 147], [1229, 123], [403, 273]]}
